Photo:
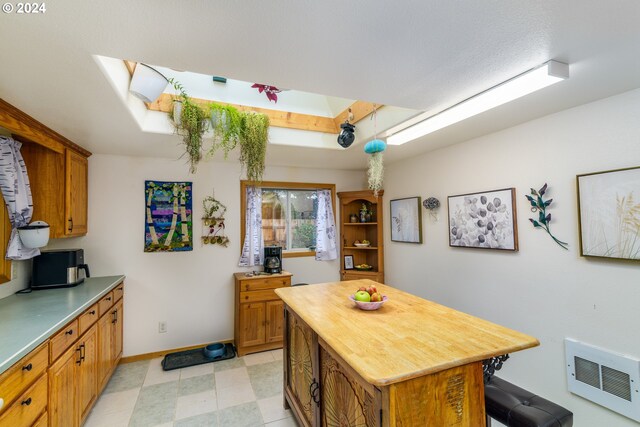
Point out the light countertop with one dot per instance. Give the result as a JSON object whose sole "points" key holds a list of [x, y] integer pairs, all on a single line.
{"points": [[27, 320], [406, 338]]}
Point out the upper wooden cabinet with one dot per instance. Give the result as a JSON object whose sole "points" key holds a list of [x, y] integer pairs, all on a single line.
{"points": [[76, 194], [57, 171]]}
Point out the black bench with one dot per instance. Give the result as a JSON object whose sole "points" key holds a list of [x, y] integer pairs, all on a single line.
{"points": [[517, 407]]}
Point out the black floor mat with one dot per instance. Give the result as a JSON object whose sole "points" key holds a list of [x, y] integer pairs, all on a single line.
{"points": [[182, 359]]}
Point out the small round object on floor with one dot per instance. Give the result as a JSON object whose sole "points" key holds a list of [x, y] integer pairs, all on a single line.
{"points": [[214, 350]]}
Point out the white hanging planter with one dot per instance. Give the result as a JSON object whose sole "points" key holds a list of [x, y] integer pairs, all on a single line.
{"points": [[147, 83], [34, 235]]}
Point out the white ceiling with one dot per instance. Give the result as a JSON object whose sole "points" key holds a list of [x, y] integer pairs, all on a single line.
{"points": [[418, 54]]}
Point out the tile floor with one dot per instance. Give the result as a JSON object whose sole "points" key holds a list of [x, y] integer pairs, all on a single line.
{"points": [[239, 392]]}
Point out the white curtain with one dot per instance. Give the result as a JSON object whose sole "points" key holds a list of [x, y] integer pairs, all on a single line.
{"points": [[253, 248], [325, 228], [14, 183]]}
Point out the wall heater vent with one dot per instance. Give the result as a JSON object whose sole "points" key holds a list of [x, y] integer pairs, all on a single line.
{"points": [[606, 378]]}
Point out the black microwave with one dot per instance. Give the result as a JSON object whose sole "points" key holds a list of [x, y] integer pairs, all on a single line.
{"points": [[61, 268]]}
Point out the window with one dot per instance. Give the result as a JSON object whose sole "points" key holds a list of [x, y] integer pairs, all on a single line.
{"points": [[288, 215]]}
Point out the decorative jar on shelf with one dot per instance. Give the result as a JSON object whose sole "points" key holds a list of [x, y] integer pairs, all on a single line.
{"points": [[353, 218]]}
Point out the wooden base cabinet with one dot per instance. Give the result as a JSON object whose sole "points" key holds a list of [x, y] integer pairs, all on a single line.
{"points": [[57, 384], [323, 390], [259, 323]]}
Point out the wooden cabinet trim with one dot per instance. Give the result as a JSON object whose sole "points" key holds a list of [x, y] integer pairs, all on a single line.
{"points": [[22, 124]]}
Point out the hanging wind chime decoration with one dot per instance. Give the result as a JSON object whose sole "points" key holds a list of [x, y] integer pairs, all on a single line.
{"points": [[375, 148]]}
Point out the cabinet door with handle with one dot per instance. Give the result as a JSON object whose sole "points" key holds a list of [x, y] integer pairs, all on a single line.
{"points": [[76, 194], [88, 378], [105, 349], [274, 321], [301, 385], [117, 330], [252, 319], [63, 395]]}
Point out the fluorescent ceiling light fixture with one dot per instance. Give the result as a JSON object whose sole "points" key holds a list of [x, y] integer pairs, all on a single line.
{"points": [[530, 81]]}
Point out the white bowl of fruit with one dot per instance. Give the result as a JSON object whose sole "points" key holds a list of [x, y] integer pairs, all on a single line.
{"points": [[362, 244], [368, 298]]}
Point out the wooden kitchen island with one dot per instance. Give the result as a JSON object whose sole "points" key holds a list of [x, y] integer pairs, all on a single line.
{"points": [[411, 363]]}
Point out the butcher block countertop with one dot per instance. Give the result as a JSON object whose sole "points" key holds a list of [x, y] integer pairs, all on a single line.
{"points": [[406, 338]]}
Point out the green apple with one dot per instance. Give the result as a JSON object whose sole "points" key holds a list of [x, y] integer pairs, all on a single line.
{"points": [[362, 296]]}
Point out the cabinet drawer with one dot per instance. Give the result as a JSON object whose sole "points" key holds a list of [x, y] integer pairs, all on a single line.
{"points": [[105, 303], [118, 292], [259, 284], [19, 376], [63, 339], [253, 296], [28, 407], [88, 318]]}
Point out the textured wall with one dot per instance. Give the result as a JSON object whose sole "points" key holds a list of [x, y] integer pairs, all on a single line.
{"points": [[541, 290]]}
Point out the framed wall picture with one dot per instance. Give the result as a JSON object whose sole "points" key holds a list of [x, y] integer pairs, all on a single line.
{"points": [[348, 262], [485, 220], [406, 220], [609, 214], [168, 223]]}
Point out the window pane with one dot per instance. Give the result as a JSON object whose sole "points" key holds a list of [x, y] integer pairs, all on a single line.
{"points": [[274, 221], [303, 209]]}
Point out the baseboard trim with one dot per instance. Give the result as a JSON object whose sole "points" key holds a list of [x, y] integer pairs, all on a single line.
{"points": [[153, 355]]}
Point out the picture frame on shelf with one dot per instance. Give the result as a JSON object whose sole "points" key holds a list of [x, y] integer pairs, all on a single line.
{"points": [[484, 220], [406, 220], [608, 214], [348, 262]]}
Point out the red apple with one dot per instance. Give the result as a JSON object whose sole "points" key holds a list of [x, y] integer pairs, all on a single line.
{"points": [[362, 288], [376, 297]]}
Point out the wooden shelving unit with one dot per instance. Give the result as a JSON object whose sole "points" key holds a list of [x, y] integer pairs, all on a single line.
{"points": [[350, 203]]}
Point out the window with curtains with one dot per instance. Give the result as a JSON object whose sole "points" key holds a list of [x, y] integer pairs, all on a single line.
{"points": [[289, 211]]}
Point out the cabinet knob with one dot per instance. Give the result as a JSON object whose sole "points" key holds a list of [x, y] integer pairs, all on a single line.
{"points": [[28, 367], [246, 297], [69, 332], [92, 312], [26, 402], [108, 298]]}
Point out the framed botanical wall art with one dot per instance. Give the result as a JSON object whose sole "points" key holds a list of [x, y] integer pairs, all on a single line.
{"points": [[168, 216], [406, 220], [485, 220], [609, 214]]}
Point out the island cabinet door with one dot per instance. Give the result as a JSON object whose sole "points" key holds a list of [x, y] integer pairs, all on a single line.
{"points": [[301, 369], [346, 399]]}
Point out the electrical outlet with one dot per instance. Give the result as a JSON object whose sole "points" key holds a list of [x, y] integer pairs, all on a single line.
{"points": [[162, 327]]}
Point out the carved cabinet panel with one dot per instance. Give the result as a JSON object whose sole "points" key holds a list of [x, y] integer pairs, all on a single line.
{"points": [[300, 367], [345, 400]]}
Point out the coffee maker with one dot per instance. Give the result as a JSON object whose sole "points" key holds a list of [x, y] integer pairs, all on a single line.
{"points": [[272, 259]]}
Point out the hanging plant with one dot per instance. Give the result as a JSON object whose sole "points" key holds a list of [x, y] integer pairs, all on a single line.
{"points": [[213, 222], [254, 135], [270, 91], [226, 123], [375, 148], [539, 205], [191, 126]]}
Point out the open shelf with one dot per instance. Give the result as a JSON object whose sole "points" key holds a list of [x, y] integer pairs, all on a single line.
{"points": [[350, 204]]}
